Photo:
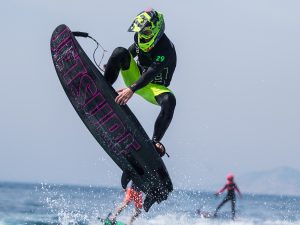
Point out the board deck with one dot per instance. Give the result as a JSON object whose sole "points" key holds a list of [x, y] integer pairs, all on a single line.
{"points": [[205, 214]]}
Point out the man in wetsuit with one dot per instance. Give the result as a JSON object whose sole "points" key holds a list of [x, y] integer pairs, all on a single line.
{"points": [[132, 194], [151, 75], [231, 187]]}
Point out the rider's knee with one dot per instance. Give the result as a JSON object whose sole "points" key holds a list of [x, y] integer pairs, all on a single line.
{"points": [[121, 56]]}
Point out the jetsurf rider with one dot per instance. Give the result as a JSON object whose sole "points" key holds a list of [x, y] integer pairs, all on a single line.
{"points": [[150, 75], [132, 194], [231, 187]]}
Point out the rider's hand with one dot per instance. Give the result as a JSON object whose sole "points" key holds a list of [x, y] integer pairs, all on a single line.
{"points": [[124, 95]]}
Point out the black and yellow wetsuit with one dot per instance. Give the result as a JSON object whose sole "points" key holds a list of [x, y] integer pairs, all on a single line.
{"points": [[156, 66], [149, 77]]}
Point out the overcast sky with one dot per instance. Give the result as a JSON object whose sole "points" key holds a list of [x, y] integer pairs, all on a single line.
{"points": [[236, 83]]}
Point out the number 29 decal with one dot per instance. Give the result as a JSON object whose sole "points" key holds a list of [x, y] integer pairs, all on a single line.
{"points": [[160, 58]]}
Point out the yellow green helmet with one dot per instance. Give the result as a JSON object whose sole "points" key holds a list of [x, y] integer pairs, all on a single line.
{"points": [[150, 27]]}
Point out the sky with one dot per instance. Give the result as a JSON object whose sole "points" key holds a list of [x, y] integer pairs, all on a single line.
{"points": [[236, 84]]}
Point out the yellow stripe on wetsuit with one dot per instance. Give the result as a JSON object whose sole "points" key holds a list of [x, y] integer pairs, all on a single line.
{"points": [[148, 92]]}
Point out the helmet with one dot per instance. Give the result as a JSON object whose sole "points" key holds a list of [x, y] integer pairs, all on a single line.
{"points": [[150, 27], [230, 176]]}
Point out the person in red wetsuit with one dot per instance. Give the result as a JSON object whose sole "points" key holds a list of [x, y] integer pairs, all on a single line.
{"points": [[231, 187], [132, 194]]}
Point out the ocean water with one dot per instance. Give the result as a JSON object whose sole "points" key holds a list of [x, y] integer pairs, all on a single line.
{"points": [[51, 204]]}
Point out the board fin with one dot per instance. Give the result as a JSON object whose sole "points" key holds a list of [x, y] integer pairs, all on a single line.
{"points": [[156, 196], [125, 179], [148, 202]]}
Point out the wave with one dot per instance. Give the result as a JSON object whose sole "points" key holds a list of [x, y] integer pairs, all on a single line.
{"points": [[68, 205]]}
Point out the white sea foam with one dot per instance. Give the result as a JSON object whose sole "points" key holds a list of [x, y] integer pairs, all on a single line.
{"points": [[65, 205], [171, 219]]}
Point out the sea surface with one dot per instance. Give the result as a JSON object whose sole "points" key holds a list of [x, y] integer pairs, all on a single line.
{"points": [[50, 204]]}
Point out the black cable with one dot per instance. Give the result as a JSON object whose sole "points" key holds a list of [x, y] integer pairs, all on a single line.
{"points": [[85, 35]]}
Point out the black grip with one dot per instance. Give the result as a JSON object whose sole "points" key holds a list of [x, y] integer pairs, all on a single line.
{"points": [[80, 34]]}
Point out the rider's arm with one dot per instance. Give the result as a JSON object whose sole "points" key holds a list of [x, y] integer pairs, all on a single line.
{"points": [[221, 190], [155, 68], [237, 190]]}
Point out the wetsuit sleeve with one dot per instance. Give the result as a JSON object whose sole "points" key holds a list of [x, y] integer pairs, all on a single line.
{"points": [[154, 69], [237, 190], [223, 189], [132, 50]]}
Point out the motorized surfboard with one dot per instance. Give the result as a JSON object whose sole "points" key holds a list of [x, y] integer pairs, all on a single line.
{"points": [[114, 127]]}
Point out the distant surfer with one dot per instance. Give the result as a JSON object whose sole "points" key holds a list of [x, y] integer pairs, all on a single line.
{"points": [[231, 187], [132, 194], [151, 74]]}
